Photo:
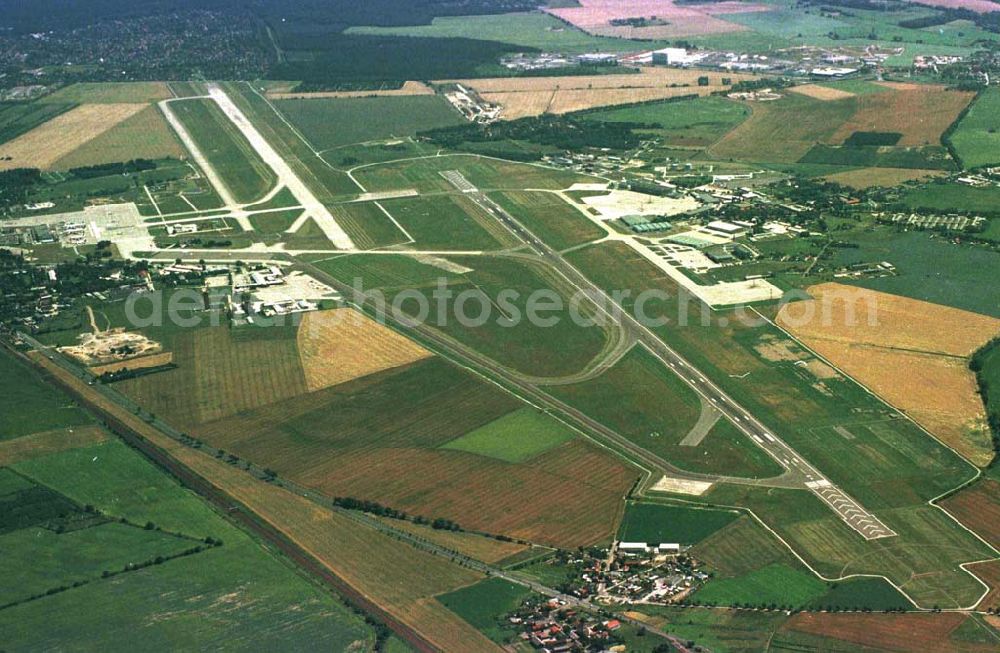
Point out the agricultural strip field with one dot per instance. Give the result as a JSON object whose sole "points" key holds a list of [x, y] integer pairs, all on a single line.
{"points": [[227, 150], [146, 135], [423, 175], [111, 93], [44, 145], [17, 118], [167, 601], [549, 217], [641, 399], [479, 547], [977, 138], [533, 96], [656, 523], [251, 398], [360, 556], [330, 123], [26, 447], [594, 16], [879, 339], [515, 437], [407, 89], [689, 123], [448, 222], [530, 30], [933, 633]]}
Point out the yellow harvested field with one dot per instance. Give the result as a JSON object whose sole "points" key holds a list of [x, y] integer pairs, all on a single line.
{"points": [[887, 177], [913, 354], [42, 444], [44, 145], [408, 88], [820, 92], [533, 96], [342, 344], [145, 135]]}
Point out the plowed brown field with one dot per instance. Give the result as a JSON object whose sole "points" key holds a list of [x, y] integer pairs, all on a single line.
{"points": [[920, 113]]}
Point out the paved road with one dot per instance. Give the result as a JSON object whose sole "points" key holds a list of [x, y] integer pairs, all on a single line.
{"points": [[799, 472]]}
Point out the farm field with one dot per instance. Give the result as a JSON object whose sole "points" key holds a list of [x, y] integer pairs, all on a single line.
{"points": [[515, 437], [978, 507], [783, 131], [50, 141], [227, 150], [861, 593], [339, 345], [284, 91], [533, 96], [594, 16], [976, 139], [530, 30], [17, 118], [928, 109], [773, 584], [28, 405], [959, 273], [887, 177], [879, 338], [484, 605], [948, 196], [656, 523], [447, 222], [647, 403], [269, 602], [689, 123], [264, 413], [935, 633], [146, 135], [26, 447], [111, 93], [549, 217], [331, 123]]}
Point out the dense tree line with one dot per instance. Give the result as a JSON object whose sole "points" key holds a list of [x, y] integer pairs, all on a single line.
{"points": [[556, 131]]}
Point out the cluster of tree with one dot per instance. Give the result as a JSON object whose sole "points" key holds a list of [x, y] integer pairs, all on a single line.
{"points": [[106, 169], [750, 85], [16, 185], [978, 366], [562, 132]]}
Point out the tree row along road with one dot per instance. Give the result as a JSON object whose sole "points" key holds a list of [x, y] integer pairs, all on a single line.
{"points": [[118, 413]]}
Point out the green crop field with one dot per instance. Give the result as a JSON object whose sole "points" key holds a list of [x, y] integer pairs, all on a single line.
{"points": [[977, 138], [18, 118], [861, 594], [775, 584], [329, 123], [485, 604], [515, 437], [168, 605], [449, 222], [529, 30], [549, 217], [27, 405], [961, 274], [111, 92], [643, 400], [654, 523], [697, 122], [239, 166]]}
